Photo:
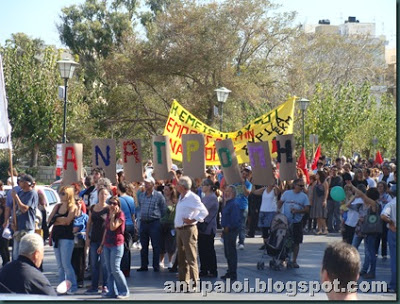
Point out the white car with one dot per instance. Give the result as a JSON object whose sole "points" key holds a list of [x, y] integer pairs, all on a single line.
{"points": [[50, 195]]}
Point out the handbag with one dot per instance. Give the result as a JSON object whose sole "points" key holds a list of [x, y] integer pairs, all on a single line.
{"points": [[372, 222]]}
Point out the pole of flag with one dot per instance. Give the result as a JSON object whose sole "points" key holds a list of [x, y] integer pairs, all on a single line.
{"points": [[5, 129]]}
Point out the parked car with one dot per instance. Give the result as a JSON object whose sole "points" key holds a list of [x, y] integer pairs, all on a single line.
{"points": [[51, 196], [56, 185]]}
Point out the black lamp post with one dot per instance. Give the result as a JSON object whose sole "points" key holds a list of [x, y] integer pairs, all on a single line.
{"points": [[67, 68], [303, 106], [222, 96]]}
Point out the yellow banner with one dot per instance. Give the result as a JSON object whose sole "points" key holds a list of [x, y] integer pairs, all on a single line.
{"points": [[264, 128]]}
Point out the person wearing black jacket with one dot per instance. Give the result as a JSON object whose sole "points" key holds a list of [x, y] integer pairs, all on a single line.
{"points": [[22, 275]]}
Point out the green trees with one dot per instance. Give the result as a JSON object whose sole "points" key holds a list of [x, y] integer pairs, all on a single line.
{"points": [[32, 79]]}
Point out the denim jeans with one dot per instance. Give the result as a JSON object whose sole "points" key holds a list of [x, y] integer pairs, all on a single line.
{"points": [[97, 263], [357, 241], [230, 250], [243, 219], [15, 251], [116, 280], [126, 258], [369, 265], [63, 255], [333, 222], [150, 231], [391, 237]]}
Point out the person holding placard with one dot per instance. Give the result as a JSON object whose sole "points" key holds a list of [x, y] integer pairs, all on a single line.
{"points": [[230, 222], [189, 211], [207, 230], [242, 192]]}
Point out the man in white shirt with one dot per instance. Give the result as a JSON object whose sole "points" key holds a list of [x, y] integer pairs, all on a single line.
{"points": [[389, 216], [189, 211]]}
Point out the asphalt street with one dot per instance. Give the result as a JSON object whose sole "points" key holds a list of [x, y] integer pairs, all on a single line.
{"points": [[150, 285]]}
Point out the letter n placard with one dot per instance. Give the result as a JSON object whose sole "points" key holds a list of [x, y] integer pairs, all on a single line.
{"points": [[260, 161], [286, 157], [194, 164], [162, 161], [104, 156], [72, 163], [228, 160], [131, 154]]}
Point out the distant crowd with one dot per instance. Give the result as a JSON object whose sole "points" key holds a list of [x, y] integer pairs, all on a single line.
{"points": [[94, 227]]}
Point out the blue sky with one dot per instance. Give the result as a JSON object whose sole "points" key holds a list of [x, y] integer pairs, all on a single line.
{"points": [[38, 18]]}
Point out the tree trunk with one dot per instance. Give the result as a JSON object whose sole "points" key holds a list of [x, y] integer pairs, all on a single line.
{"points": [[340, 147], [34, 156]]}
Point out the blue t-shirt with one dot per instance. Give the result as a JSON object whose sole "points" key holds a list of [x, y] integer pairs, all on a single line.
{"points": [[240, 197], [294, 200], [81, 223], [26, 221], [128, 208], [9, 200]]}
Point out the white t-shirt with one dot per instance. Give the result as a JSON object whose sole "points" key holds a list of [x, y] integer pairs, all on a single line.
{"points": [[371, 183], [353, 215], [268, 201], [15, 179], [390, 210]]}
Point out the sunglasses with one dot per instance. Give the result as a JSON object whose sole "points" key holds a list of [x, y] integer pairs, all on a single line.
{"points": [[301, 186], [113, 203]]}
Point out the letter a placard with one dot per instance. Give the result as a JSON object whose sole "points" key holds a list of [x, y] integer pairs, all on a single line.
{"points": [[194, 164], [260, 161], [286, 157], [131, 154], [228, 160], [104, 156], [162, 161], [72, 163]]}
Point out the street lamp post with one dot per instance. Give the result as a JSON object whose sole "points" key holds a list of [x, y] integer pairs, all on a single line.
{"points": [[303, 106], [67, 68], [222, 96]]}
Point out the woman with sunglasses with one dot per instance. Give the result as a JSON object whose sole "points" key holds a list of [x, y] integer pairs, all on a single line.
{"points": [[113, 247], [63, 237]]}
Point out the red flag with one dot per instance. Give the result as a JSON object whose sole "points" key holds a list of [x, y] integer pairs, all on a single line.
{"points": [[378, 158], [302, 164], [274, 146], [316, 158]]}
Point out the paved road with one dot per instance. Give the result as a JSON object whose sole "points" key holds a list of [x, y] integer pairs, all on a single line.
{"points": [[150, 285]]}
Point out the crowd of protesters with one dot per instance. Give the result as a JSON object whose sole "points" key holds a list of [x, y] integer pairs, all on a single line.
{"points": [[97, 222]]}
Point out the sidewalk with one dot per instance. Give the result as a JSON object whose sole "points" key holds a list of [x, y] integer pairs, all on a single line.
{"points": [[149, 285]]}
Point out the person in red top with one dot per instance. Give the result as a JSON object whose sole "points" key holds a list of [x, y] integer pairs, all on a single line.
{"points": [[113, 246]]}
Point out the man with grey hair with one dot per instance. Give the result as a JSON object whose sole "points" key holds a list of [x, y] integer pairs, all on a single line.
{"points": [[188, 212], [22, 275], [153, 207]]}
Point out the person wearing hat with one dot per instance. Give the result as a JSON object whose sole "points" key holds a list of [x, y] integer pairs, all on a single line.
{"points": [[26, 201], [153, 207]]}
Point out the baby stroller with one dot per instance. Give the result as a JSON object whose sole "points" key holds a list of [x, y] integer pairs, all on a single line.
{"points": [[279, 244]]}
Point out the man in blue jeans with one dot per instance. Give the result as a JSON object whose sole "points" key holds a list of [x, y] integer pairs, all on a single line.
{"points": [[389, 216], [230, 223], [153, 207], [242, 193]]}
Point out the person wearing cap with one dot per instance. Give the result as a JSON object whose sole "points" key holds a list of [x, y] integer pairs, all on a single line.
{"points": [[26, 201], [189, 211], [243, 191], [153, 207]]}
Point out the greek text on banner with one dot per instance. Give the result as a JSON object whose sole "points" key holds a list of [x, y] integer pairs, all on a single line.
{"points": [[279, 121]]}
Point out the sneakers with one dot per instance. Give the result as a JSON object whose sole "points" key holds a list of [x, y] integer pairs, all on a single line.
{"points": [[123, 296], [241, 246], [104, 291], [91, 292], [161, 265], [137, 245], [170, 265]]}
